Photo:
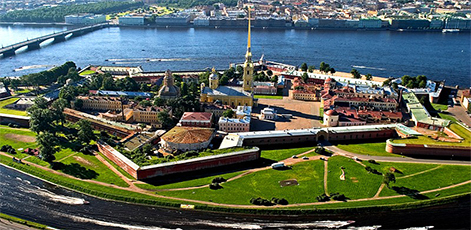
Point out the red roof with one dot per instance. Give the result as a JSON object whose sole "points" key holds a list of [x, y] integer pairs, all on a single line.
{"points": [[196, 116]]}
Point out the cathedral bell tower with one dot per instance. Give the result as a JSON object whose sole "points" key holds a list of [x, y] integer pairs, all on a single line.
{"points": [[248, 65], [213, 79]]}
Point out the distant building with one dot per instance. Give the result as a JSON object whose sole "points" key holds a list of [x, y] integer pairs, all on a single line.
{"points": [[173, 20], [131, 20], [264, 88], [21, 104], [81, 19], [183, 139], [196, 119], [217, 109]]}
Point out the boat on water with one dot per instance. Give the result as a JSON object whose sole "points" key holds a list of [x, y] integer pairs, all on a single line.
{"points": [[450, 30]]}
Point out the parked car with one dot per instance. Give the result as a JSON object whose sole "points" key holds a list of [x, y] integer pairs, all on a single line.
{"points": [[305, 158], [294, 156]]}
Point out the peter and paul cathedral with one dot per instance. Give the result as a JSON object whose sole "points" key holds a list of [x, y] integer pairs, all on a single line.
{"points": [[232, 95]]}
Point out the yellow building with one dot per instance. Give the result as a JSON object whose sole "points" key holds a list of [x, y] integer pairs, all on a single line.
{"points": [[232, 95], [102, 103]]}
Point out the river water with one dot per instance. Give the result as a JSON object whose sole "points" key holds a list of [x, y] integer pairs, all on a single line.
{"points": [[383, 53], [33, 199]]}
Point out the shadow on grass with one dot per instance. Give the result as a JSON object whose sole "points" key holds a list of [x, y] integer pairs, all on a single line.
{"points": [[76, 170], [180, 177], [412, 193]]}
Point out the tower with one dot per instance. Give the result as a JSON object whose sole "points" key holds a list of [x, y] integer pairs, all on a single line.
{"points": [[213, 79], [248, 65]]}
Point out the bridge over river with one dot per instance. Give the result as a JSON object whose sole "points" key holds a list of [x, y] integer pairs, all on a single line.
{"points": [[58, 37]]}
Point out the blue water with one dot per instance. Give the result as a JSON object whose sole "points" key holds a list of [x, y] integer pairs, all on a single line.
{"points": [[382, 53]]}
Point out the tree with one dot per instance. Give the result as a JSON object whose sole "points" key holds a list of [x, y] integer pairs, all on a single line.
{"points": [[224, 80], [422, 84], [305, 77], [85, 133], [144, 87], [304, 67], [78, 104], [41, 118], [322, 67], [145, 103], [47, 146], [108, 83], [405, 79], [183, 89], [240, 69], [311, 69], [388, 178], [228, 113], [355, 74], [58, 107], [269, 73], [274, 79], [368, 77], [164, 119], [332, 70], [159, 101]]}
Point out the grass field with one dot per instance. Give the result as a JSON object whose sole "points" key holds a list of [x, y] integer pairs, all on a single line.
{"points": [[405, 168], [9, 136], [22, 221], [281, 154], [265, 184], [372, 149], [79, 165], [448, 117], [439, 107], [268, 96], [87, 72], [358, 182], [11, 111], [189, 183], [444, 176]]}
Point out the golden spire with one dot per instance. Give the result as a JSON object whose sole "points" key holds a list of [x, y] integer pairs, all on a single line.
{"points": [[214, 70], [248, 39]]}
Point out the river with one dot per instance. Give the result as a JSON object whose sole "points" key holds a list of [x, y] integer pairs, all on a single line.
{"points": [[382, 53], [33, 199]]}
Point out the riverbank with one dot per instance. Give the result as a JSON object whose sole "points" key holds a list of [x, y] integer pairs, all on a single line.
{"points": [[399, 202], [11, 222]]}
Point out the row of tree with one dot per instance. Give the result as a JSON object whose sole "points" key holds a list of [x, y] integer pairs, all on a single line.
{"points": [[56, 14]]}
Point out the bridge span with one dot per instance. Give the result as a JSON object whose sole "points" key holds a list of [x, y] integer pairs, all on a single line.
{"points": [[58, 37]]}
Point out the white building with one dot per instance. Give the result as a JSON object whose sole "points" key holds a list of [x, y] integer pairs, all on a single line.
{"points": [[234, 125], [331, 118], [243, 111], [85, 19], [131, 20], [268, 114]]}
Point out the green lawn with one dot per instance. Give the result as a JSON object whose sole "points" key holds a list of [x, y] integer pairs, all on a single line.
{"points": [[11, 111], [462, 132], [439, 107], [281, 154], [265, 184], [8, 136], [23, 91], [404, 168], [22, 221], [444, 176], [358, 182], [372, 149], [189, 183], [89, 167], [126, 174], [268, 96], [447, 116], [87, 72]]}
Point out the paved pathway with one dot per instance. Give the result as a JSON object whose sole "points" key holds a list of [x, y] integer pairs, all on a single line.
{"points": [[460, 113], [418, 173], [326, 173], [9, 225]]}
